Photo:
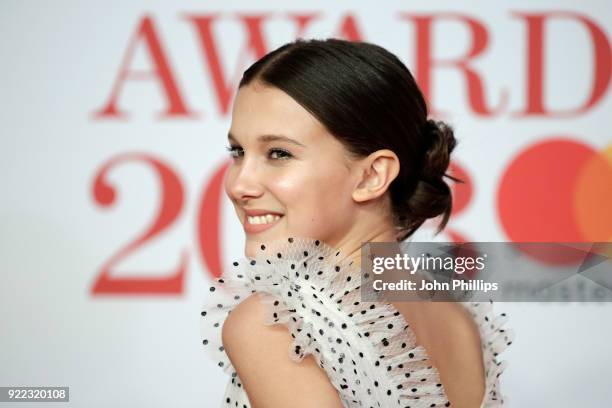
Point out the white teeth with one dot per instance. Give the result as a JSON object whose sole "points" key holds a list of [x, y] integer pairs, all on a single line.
{"points": [[263, 219]]}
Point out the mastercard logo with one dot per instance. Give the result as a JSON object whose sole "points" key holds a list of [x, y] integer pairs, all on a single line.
{"points": [[557, 190]]}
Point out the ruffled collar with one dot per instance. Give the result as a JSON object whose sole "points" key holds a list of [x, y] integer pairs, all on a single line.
{"points": [[304, 273]]}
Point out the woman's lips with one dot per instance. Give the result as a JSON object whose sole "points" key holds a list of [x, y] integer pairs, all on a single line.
{"points": [[255, 228]]}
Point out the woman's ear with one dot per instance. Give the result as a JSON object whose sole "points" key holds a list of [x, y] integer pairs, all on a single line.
{"points": [[378, 170]]}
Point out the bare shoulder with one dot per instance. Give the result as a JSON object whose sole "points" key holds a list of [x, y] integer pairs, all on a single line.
{"points": [[452, 340], [260, 355]]}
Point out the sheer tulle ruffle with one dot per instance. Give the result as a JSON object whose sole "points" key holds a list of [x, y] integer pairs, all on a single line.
{"points": [[366, 348]]}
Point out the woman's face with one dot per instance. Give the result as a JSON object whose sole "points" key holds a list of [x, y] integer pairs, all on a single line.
{"points": [[288, 170]]}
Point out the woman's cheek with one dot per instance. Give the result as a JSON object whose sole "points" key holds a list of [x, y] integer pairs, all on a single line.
{"points": [[290, 192]]}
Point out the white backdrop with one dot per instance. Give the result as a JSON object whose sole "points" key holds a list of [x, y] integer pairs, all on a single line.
{"points": [[139, 344]]}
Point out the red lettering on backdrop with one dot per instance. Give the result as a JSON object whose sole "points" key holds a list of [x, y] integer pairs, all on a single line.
{"points": [[302, 21], [210, 234], [209, 215], [146, 33], [425, 62], [223, 88], [602, 66], [348, 29], [170, 207]]}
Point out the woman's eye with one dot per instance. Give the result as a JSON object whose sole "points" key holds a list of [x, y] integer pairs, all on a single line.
{"points": [[235, 151], [280, 154]]}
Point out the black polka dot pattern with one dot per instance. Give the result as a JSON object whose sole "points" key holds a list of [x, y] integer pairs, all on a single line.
{"points": [[367, 349]]}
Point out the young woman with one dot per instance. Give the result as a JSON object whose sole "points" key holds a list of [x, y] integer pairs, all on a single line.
{"points": [[332, 147]]}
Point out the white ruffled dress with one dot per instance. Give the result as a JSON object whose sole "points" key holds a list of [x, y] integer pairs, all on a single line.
{"points": [[366, 348]]}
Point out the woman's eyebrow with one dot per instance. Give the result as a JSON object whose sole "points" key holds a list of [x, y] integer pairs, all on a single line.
{"points": [[270, 138]]}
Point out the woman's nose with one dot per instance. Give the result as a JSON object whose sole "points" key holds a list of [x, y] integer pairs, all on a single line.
{"points": [[243, 181]]}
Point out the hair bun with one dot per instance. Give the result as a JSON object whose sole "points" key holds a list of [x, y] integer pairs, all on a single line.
{"points": [[432, 195], [442, 142]]}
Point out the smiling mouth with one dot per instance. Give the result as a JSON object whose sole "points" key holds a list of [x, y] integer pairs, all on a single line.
{"points": [[262, 219]]}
